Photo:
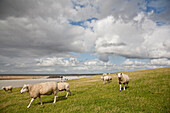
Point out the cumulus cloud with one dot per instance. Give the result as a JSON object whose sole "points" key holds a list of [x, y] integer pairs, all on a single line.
{"points": [[37, 36], [99, 66], [132, 40], [73, 65], [154, 63], [57, 61]]}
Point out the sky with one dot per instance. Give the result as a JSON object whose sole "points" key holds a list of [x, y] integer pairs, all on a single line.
{"points": [[83, 36]]}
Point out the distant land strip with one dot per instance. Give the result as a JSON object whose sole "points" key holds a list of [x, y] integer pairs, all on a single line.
{"points": [[38, 76]]}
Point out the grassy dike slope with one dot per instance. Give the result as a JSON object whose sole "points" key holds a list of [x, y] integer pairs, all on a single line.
{"points": [[149, 91]]}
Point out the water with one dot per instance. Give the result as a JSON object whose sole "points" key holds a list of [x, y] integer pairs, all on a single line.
{"points": [[21, 82]]}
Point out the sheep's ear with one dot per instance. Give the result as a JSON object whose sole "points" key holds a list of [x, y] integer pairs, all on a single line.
{"points": [[25, 85]]}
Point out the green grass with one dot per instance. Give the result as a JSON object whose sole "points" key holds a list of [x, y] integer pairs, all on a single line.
{"points": [[149, 91]]}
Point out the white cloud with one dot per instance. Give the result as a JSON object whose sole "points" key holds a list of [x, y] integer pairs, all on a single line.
{"points": [[44, 69], [74, 65], [41, 30], [56, 61], [154, 63], [2, 71], [160, 62], [134, 40]]}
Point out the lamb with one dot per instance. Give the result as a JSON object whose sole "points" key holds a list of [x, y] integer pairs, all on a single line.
{"points": [[7, 88], [106, 78], [63, 86], [36, 90], [123, 79]]}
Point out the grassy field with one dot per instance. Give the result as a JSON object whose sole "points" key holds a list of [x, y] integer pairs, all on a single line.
{"points": [[149, 91]]}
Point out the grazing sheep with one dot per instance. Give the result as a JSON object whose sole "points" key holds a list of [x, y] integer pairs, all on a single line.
{"points": [[104, 74], [63, 86], [123, 79], [106, 78], [36, 90], [7, 88]]}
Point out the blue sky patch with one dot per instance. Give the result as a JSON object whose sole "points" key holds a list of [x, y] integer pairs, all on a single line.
{"points": [[153, 5], [158, 7], [162, 23], [84, 56], [156, 10], [82, 23], [75, 5]]}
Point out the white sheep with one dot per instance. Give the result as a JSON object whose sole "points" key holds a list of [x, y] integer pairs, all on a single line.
{"points": [[63, 86], [106, 78], [36, 90], [104, 74], [123, 79], [7, 88]]}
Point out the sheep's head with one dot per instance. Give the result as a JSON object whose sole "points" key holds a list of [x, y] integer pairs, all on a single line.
{"points": [[3, 88], [119, 75], [24, 89]]}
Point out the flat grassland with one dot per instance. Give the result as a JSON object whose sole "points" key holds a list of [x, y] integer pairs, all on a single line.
{"points": [[149, 91]]}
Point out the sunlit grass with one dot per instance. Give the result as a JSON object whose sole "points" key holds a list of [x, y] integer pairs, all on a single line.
{"points": [[148, 92]]}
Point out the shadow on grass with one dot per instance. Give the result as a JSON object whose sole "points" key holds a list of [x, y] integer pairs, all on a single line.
{"points": [[126, 87], [60, 98], [7, 92]]}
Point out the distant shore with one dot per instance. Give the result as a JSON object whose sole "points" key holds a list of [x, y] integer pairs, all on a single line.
{"points": [[19, 81], [39, 76], [21, 77]]}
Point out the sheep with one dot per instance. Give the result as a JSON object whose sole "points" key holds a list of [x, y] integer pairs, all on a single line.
{"points": [[123, 79], [36, 90], [63, 86], [106, 78], [104, 74], [7, 88]]}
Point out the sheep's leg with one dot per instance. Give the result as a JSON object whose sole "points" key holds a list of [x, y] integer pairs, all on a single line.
{"points": [[67, 94], [123, 86], [30, 102], [40, 100], [70, 93], [55, 96], [120, 87]]}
